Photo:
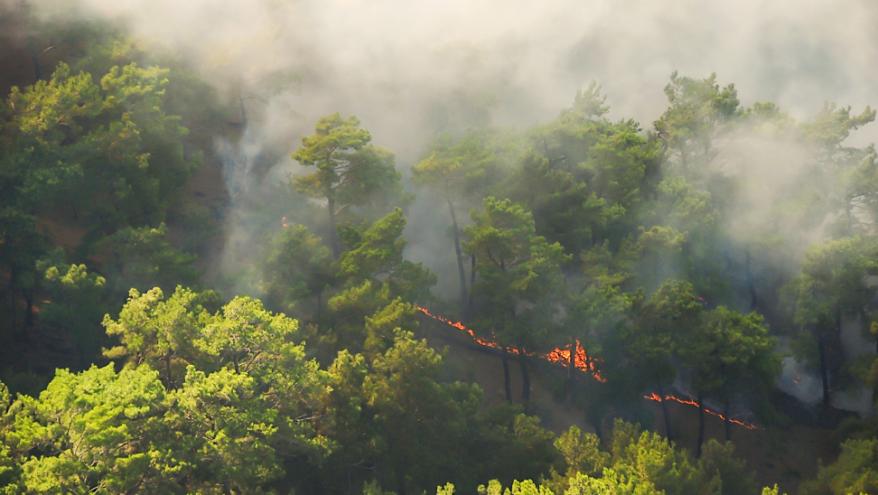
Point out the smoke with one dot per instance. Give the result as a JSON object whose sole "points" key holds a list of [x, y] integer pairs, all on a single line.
{"points": [[799, 382], [410, 70], [407, 68]]}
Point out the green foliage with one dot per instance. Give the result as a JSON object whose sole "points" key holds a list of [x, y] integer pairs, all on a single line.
{"points": [[718, 462], [611, 483], [142, 257], [697, 107], [227, 427], [832, 283], [297, 267], [77, 301], [95, 432], [654, 340], [730, 353], [515, 266], [214, 398], [461, 168], [379, 249], [853, 472], [71, 125], [350, 172], [581, 452], [248, 337], [585, 177], [157, 331], [378, 255], [639, 463]]}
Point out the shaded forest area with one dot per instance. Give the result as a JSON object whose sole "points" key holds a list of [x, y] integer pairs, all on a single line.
{"points": [[717, 261]]}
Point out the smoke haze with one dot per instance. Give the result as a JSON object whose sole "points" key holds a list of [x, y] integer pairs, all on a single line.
{"points": [[410, 70]]}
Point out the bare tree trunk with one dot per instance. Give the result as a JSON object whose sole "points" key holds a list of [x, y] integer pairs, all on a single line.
{"points": [[13, 310], [399, 471], [727, 409], [29, 310], [751, 285], [472, 284], [459, 253], [665, 414], [243, 111], [333, 231], [700, 426], [824, 369], [525, 379], [504, 358], [319, 314], [168, 369]]}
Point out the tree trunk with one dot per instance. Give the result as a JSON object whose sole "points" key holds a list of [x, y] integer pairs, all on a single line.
{"points": [[29, 310], [243, 111], [700, 426], [459, 253], [751, 285], [472, 284], [824, 370], [34, 59], [333, 231], [504, 358], [400, 478], [168, 369], [319, 312], [525, 379], [665, 414], [726, 420], [13, 310]]}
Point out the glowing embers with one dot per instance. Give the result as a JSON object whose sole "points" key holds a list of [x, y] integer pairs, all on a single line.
{"points": [[689, 402], [560, 356]]}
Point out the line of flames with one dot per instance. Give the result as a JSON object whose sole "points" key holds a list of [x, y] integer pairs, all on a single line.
{"points": [[689, 402], [581, 361], [559, 355]]}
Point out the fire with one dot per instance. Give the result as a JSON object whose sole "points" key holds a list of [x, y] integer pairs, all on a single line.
{"points": [[581, 361], [689, 402], [560, 356]]}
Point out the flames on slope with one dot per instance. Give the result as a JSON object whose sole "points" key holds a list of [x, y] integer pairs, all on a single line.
{"points": [[558, 355], [581, 361], [689, 402]]}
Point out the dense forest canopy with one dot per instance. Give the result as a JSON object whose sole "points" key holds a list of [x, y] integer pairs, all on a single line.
{"points": [[288, 246]]}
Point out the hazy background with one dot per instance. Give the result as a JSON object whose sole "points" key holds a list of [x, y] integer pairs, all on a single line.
{"points": [[407, 68], [411, 69]]}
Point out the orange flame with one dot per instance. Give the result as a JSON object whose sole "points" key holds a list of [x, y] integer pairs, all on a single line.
{"points": [[581, 361], [561, 356], [689, 402]]}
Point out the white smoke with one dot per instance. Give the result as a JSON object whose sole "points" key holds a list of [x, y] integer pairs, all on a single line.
{"points": [[412, 69]]}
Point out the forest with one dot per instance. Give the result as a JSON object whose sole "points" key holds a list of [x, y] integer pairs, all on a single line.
{"points": [[227, 270]]}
